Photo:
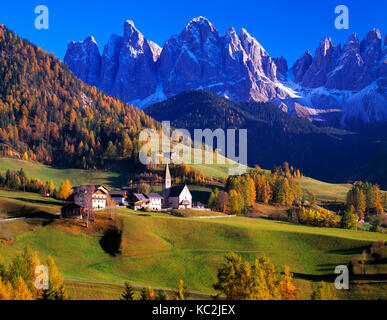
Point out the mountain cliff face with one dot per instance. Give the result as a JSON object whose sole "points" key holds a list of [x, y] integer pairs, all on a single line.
{"points": [[350, 81], [334, 86], [127, 67], [84, 60], [139, 71]]}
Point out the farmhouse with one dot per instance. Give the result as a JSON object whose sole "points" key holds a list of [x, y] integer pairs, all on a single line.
{"points": [[176, 197], [154, 201], [138, 201], [98, 198], [119, 196], [72, 210]]}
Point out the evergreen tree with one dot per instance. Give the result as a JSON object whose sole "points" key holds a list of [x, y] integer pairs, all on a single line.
{"points": [[359, 200], [324, 292], [23, 265], [349, 219], [128, 293], [162, 296], [212, 199]]}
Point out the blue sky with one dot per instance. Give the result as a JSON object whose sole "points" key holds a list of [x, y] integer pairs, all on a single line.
{"points": [[285, 28]]}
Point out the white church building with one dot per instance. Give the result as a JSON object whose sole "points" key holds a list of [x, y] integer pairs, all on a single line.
{"points": [[175, 197]]}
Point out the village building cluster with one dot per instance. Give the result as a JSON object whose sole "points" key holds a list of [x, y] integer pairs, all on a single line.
{"points": [[98, 197]]}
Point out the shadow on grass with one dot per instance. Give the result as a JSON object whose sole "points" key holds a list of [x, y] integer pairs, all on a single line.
{"points": [[329, 267], [351, 251], [44, 202], [377, 261], [111, 241], [332, 277], [315, 277]]}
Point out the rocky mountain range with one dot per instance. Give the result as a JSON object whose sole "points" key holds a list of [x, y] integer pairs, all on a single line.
{"points": [[335, 86]]}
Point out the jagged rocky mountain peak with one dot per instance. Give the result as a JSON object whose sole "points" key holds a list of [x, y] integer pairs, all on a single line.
{"points": [[238, 67]]}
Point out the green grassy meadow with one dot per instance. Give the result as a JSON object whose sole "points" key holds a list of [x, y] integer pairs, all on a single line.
{"points": [[154, 254], [325, 191], [158, 249], [76, 176], [114, 179]]}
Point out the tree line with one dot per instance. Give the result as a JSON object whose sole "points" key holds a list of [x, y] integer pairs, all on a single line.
{"points": [[366, 199], [20, 181], [279, 186]]}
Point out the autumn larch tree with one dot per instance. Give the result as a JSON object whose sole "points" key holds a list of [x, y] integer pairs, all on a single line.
{"points": [[324, 291], [65, 190]]}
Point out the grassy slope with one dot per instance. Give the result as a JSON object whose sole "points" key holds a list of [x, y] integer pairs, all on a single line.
{"points": [[13, 204], [79, 176], [323, 191], [76, 176], [155, 254]]}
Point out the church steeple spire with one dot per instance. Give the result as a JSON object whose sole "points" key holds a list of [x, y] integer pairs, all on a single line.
{"points": [[167, 185], [167, 174]]}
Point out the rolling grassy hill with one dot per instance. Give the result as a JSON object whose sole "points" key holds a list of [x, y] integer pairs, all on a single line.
{"points": [[79, 176], [325, 191], [114, 179], [158, 250], [76, 176]]}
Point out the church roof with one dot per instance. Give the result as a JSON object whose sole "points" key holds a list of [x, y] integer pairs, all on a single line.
{"points": [[176, 191]]}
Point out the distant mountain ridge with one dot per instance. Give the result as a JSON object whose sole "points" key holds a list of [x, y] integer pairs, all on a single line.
{"points": [[334, 86], [275, 136]]}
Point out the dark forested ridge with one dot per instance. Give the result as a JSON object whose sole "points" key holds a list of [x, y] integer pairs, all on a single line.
{"points": [[275, 136], [48, 115]]}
